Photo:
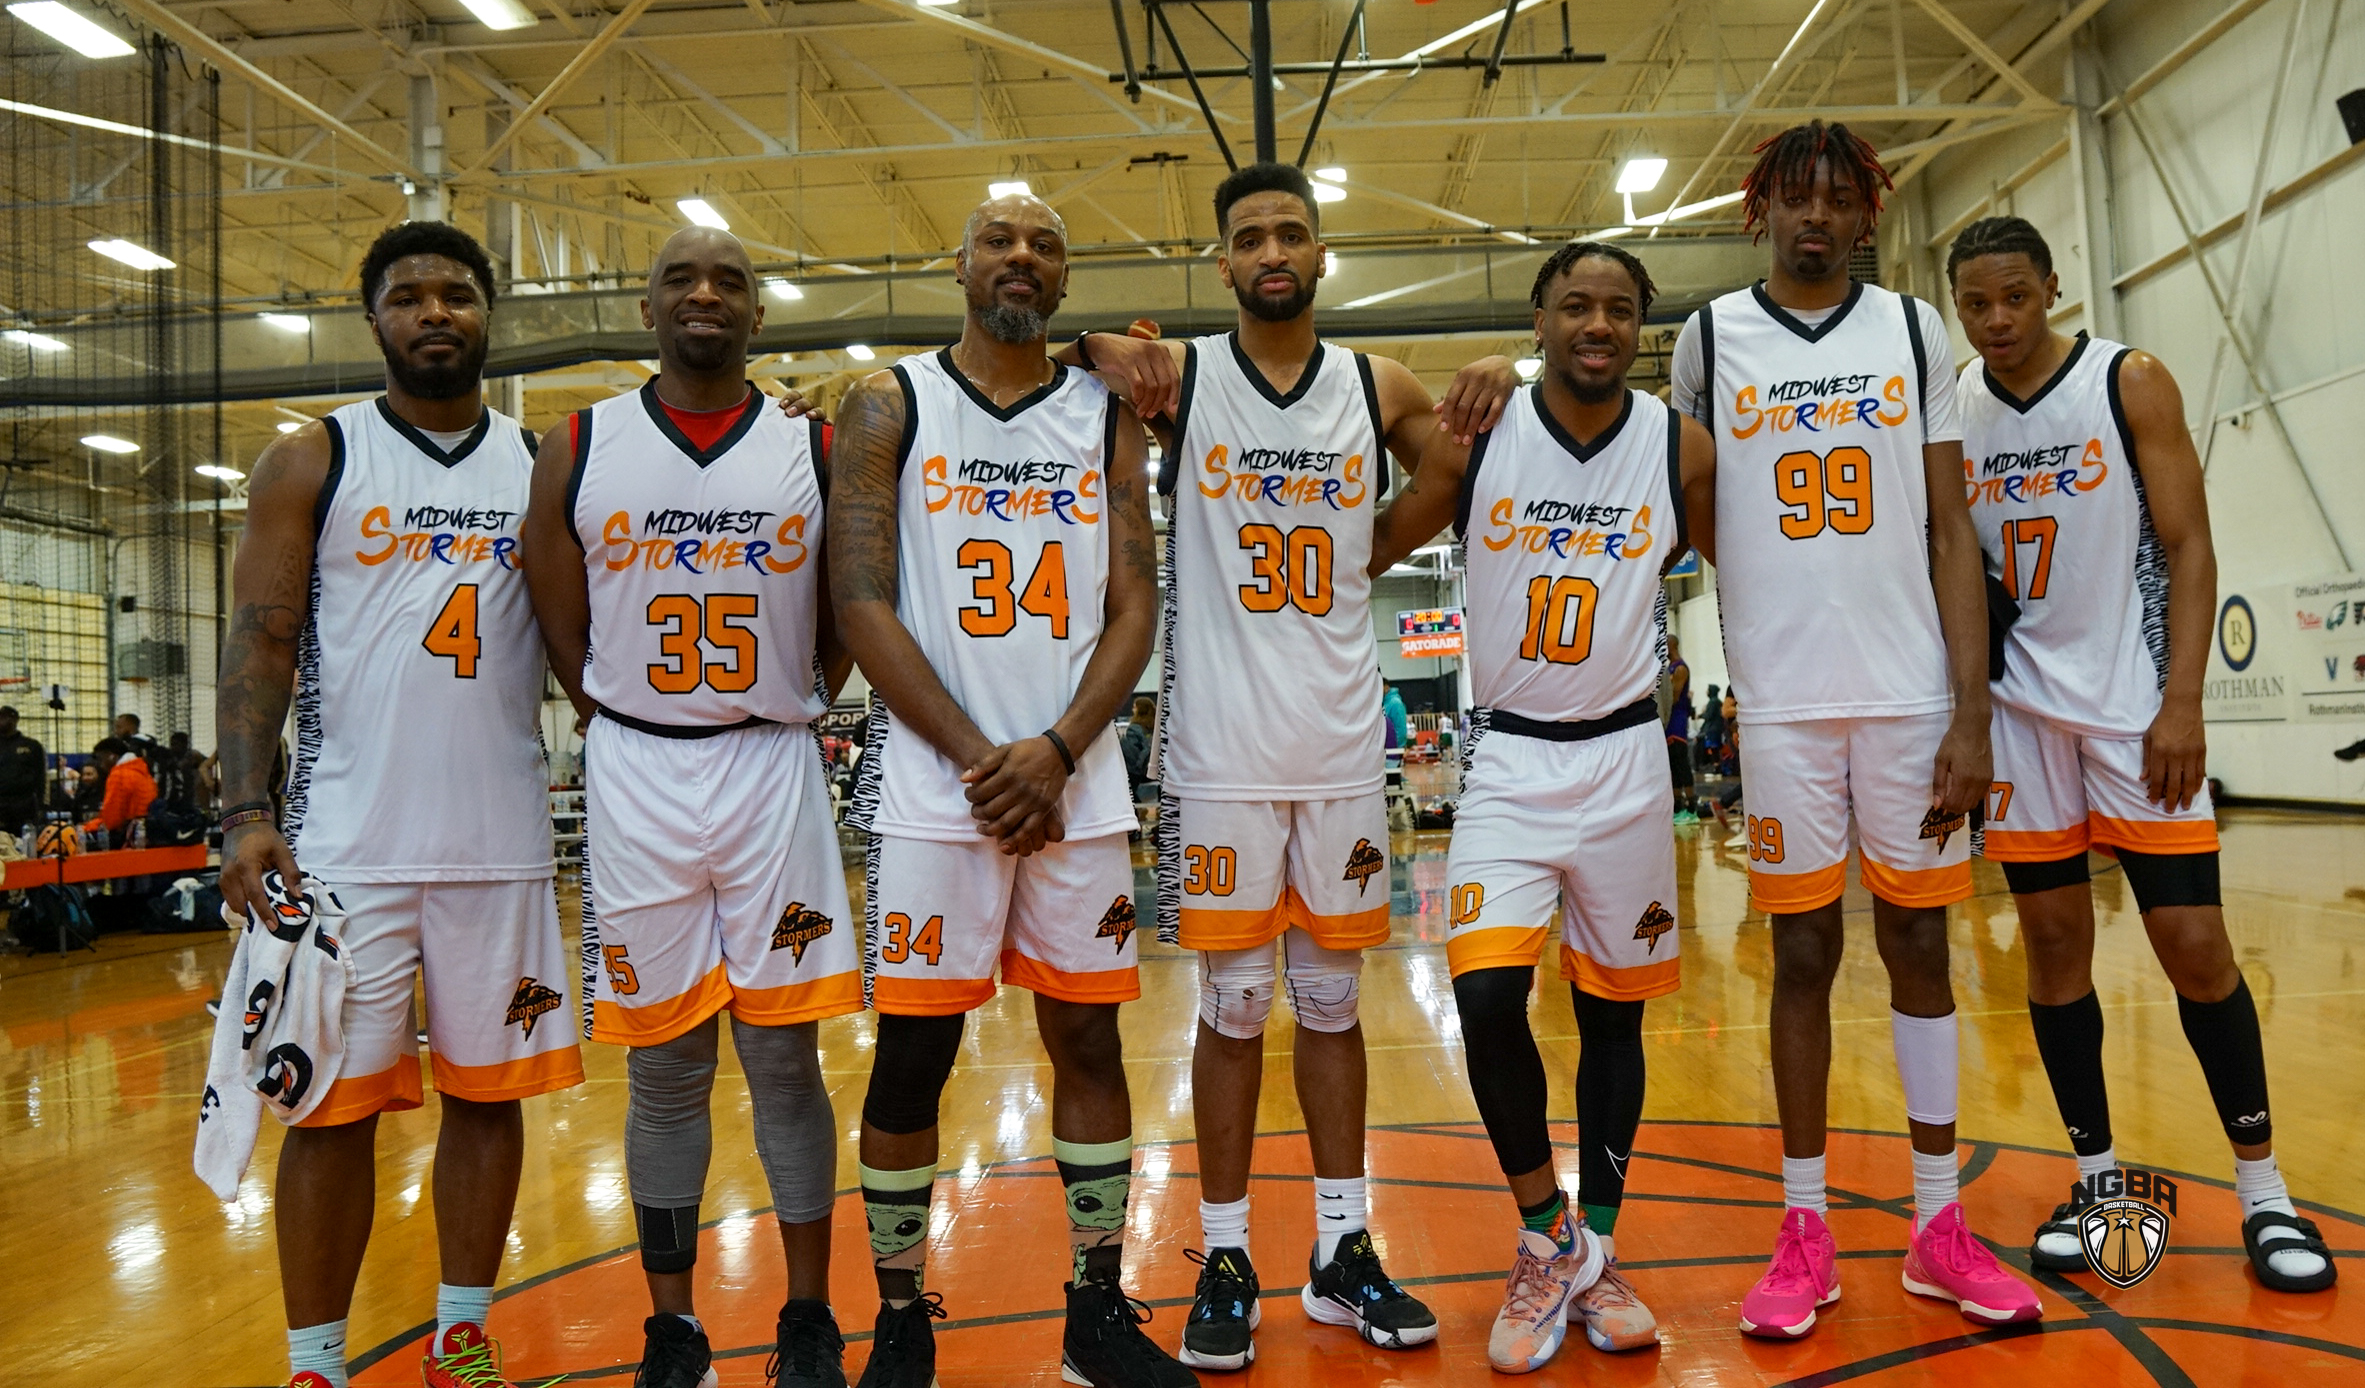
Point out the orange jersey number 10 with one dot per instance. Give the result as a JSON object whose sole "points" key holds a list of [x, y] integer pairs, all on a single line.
{"points": [[1830, 492], [685, 666], [1559, 620], [1045, 594]]}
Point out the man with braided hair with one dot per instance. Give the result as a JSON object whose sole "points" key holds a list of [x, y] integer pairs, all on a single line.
{"points": [[1855, 618], [1569, 511], [2087, 497]]}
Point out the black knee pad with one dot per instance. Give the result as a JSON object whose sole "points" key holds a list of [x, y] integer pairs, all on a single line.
{"points": [[2027, 879], [2171, 879], [669, 1238], [911, 1061]]}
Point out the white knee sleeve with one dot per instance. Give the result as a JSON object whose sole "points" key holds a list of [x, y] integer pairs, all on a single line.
{"points": [[1236, 990], [1926, 1064], [1324, 984]]}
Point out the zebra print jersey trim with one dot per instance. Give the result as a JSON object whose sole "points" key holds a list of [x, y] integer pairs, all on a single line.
{"points": [[308, 734], [870, 781], [2151, 580], [1482, 722], [1168, 837], [590, 950], [870, 921]]}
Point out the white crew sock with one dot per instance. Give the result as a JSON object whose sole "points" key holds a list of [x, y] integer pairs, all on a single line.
{"points": [[1225, 1225], [1936, 1185], [2259, 1184], [1340, 1209], [318, 1349], [1803, 1186], [459, 1305], [2105, 1160]]}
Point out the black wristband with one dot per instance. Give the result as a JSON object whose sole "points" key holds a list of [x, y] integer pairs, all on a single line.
{"points": [[1060, 745], [1084, 355], [229, 810]]}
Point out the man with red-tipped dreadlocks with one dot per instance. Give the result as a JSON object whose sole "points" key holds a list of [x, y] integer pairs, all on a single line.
{"points": [[1855, 630]]}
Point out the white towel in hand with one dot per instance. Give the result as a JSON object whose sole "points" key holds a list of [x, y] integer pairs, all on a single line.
{"points": [[279, 1039]]}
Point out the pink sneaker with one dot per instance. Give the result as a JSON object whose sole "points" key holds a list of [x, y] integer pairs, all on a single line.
{"points": [[1947, 1262], [1805, 1275]]}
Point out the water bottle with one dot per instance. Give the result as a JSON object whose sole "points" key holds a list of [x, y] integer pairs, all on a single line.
{"points": [[139, 833]]}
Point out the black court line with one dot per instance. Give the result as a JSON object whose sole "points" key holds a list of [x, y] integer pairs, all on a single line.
{"points": [[2128, 1330]]}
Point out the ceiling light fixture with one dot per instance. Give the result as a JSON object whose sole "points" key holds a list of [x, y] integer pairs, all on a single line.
{"points": [[702, 212], [939, 4], [131, 253], [1329, 192], [1641, 175], [859, 352], [1330, 262], [1330, 173], [500, 14], [39, 342], [287, 322], [1015, 188], [227, 474], [784, 289], [108, 443], [73, 30]]}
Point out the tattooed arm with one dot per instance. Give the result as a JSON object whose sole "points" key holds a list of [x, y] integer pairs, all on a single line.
{"points": [[1016, 786], [554, 566], [828, 647], [859, 538], [271, 593]]}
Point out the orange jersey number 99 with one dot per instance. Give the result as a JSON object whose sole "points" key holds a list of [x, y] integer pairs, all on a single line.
{"points": [[1829, 492]]}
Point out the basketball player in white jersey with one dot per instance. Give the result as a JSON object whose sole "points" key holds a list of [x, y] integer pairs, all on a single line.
{"points": [[994, 569], [2087, 497], [1568, 511], [1854, 621], [379, 581], [674, 546], [1273, 826]]}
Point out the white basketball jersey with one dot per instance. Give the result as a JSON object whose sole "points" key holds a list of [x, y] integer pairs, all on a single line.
{"points": [[1002, 548], [704, 565], [1822, 508], [2061, 515], [419, 674], [1271, 681], [1563, 544]]}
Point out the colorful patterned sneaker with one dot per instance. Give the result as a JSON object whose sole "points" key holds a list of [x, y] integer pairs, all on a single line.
{"points": [[1804, 1276], [1615, 1318], [1221, 1330], [1544, 1283], [463, 1358], [1354, 1291], [2058, 1246], [1947, 1262]]}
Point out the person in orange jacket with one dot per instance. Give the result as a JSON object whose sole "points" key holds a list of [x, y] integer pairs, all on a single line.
{"points": [[131, 789]]}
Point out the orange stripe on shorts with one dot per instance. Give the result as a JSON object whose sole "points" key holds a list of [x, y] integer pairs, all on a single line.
{"points": [[355, 1097], [834, 996], [1630, 984], [543, 1073], [2155, 835], [1920, 888], [1788, 893], [1103, 985], [1495, 947]]}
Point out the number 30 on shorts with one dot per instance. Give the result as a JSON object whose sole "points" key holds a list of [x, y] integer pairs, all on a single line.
{"points": [[1209, 871], [1765, 840]]}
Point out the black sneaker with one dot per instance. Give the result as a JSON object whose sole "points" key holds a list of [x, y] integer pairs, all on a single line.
{"points": [[809, 1353], [1224, 1311], [1355, 1291], [1104, 1346], [674, 1355], [2059, 1245], [903, 1345]]}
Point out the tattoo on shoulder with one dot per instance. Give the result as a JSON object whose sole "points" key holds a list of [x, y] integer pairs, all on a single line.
{"points": [[863, 458]]}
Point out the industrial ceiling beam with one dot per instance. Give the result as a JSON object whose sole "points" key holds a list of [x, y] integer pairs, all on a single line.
{"points": [[590, 53], [995, 38]]}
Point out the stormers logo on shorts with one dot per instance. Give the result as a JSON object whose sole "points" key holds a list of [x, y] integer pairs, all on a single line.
{"points": [[2125, 1230], [532, 998], [1117, 923], [1938, 824], [1363, 861], [799, 926], [1656, 921]]}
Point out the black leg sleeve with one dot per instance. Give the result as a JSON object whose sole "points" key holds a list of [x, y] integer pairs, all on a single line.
{"points": [[1610, 1072], [1506, 1071]]}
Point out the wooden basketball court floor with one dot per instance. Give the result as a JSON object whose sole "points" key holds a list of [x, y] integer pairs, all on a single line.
{"points": [[122, 1270]]}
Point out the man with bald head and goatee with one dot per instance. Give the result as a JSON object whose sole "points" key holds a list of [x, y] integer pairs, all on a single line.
{"points": [[673, 546], [994, 571]]}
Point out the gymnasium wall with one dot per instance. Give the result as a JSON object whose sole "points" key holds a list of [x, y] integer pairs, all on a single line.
{"points": [[2302, 301]]}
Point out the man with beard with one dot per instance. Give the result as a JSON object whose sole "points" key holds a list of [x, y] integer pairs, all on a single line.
{"points": [[379, 579], [1855, 616], [1564, 781], [673, 547], [1273, 824], [995, 574]]}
